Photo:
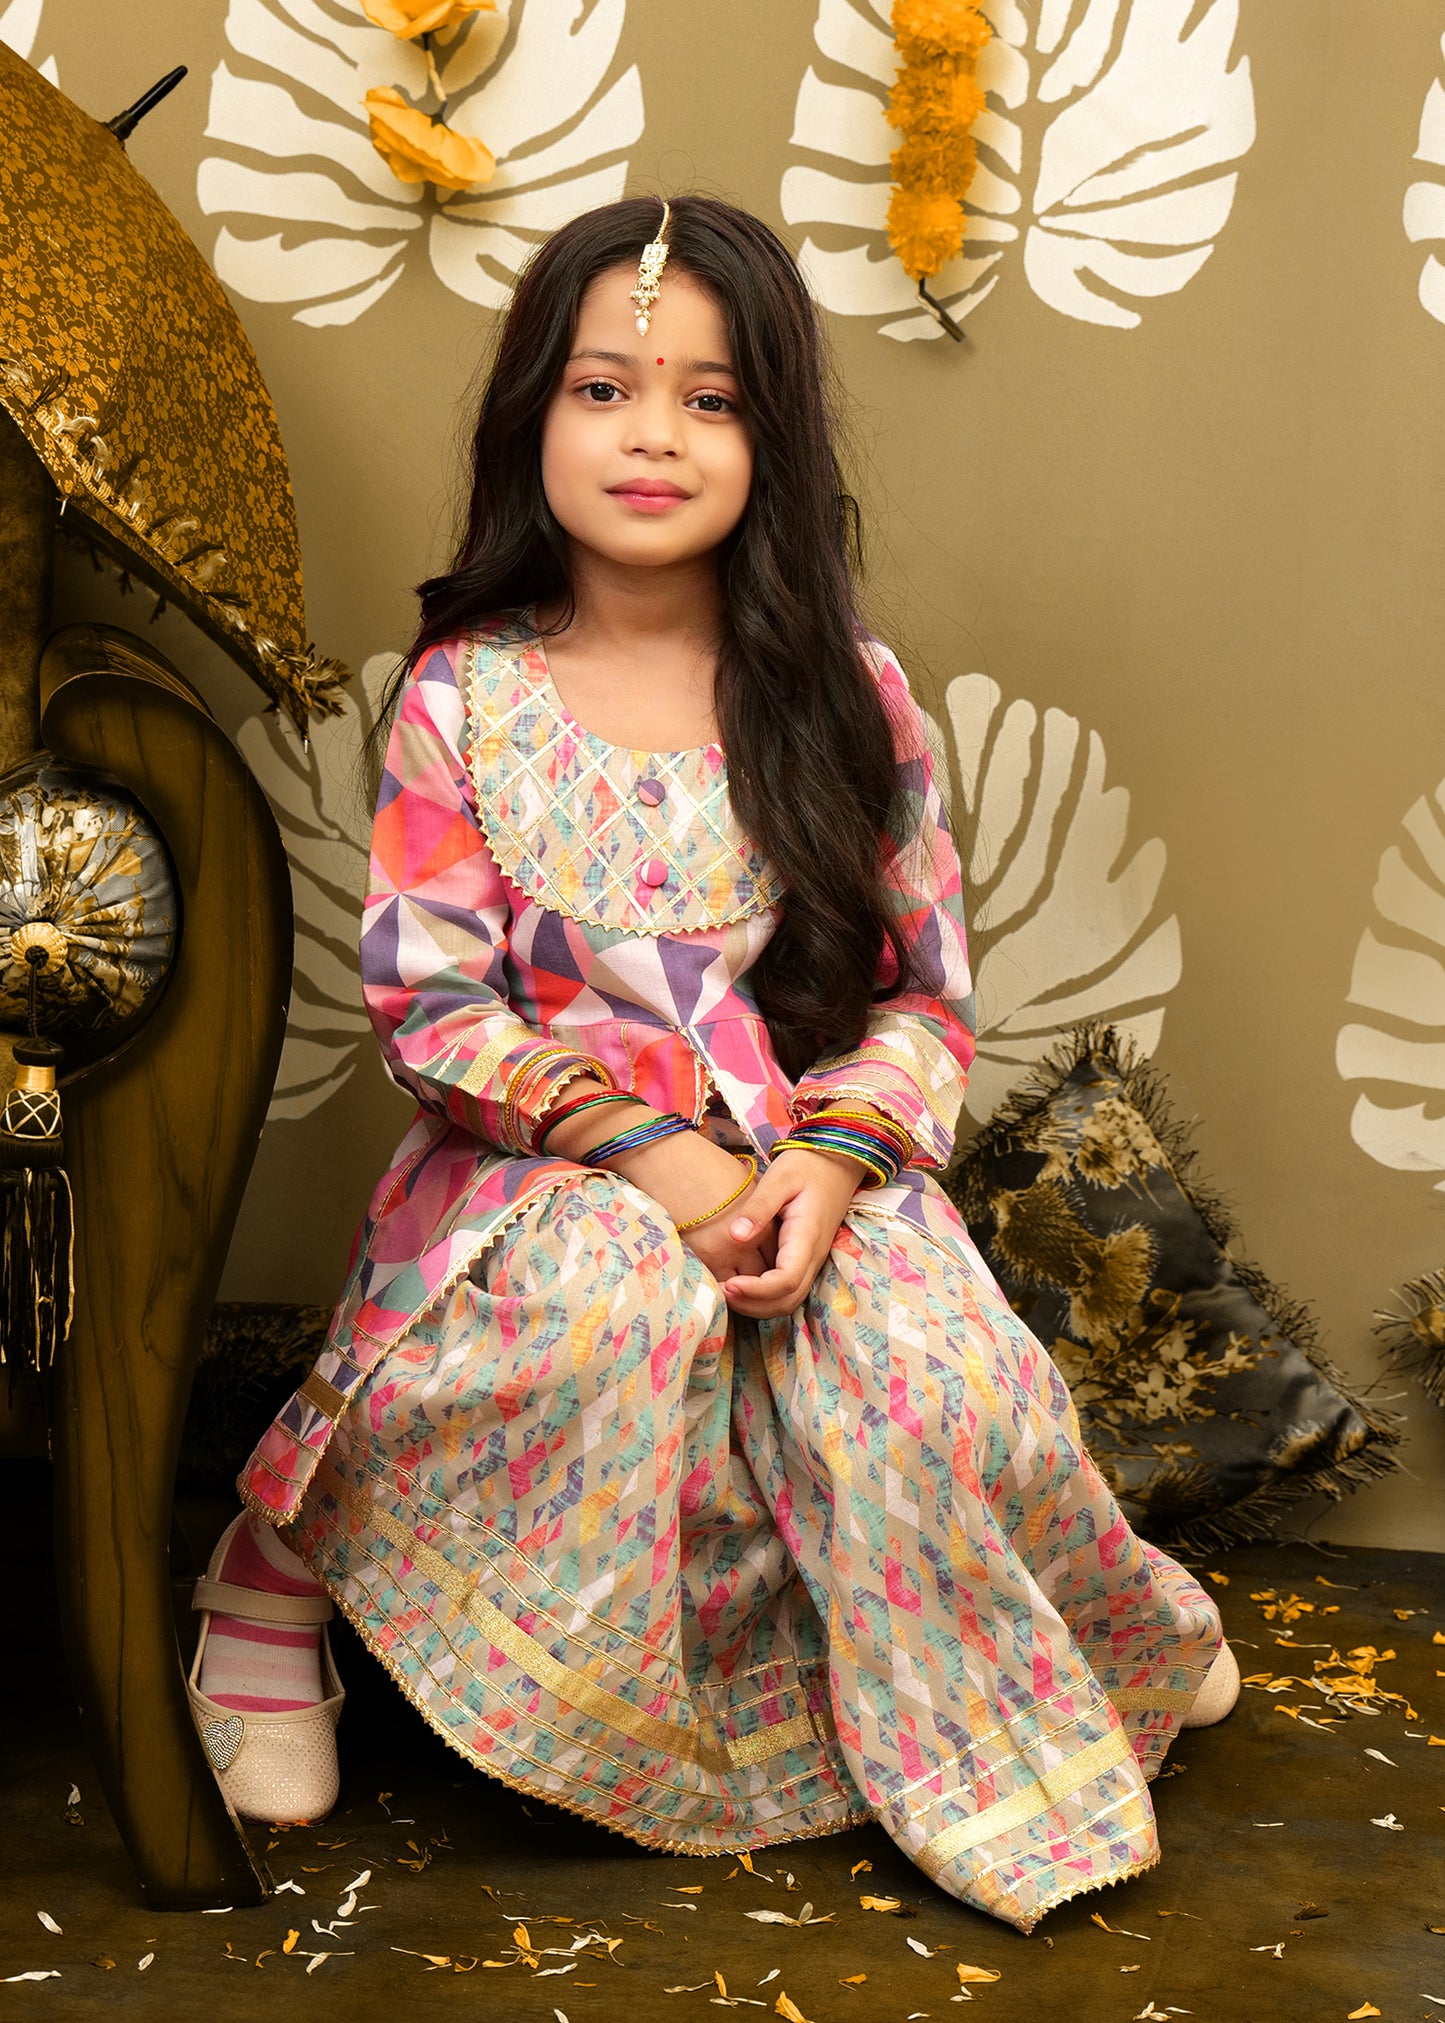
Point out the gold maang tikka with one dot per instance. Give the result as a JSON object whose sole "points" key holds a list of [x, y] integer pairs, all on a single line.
{"points": [[649, 273]]}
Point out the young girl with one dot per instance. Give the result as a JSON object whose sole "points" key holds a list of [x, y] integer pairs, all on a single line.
{"points": [[672, 1447]]}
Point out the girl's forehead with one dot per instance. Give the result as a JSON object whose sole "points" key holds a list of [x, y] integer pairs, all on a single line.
{"points": [[686, 318]]}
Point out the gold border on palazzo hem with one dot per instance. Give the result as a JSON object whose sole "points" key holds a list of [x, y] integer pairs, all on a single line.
{"points": [[704, 1745], [1052, 1788]]}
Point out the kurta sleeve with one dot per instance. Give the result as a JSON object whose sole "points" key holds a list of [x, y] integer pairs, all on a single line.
{"points": [[914, 1057], [434, 934]]}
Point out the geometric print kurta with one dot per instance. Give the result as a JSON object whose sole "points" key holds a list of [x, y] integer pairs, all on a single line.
{"points": [[712, 1582]]}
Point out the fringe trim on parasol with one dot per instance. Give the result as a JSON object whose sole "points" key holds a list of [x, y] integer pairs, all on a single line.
{"points": [[1415, 1339], [135, 531], [1167, 1501]]}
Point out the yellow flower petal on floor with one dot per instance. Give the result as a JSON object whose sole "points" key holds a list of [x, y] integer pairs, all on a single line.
{"points": [[407, 18], [419, 149]]}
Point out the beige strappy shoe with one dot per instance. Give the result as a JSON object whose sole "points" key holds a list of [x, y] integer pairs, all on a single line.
{"points": [[277, 1767], [1218, 1693]]}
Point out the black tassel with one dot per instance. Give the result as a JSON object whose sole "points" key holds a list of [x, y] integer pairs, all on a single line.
{"points": [[37, 1246]]}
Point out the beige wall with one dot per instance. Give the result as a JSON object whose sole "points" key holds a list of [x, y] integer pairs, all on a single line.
{"points": [[1210, 541]]}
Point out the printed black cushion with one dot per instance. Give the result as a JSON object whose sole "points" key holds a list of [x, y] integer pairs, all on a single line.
{"points": [[1203, 1396]]}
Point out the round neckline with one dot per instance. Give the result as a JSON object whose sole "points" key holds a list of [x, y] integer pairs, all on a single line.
{"points": [[559, 709]]}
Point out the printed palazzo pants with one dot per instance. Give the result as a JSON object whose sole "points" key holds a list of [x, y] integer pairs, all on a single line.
{"points": [[719, 1583]]}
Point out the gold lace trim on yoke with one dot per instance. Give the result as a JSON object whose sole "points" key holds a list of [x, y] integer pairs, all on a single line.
{"points": [[562, 814]]}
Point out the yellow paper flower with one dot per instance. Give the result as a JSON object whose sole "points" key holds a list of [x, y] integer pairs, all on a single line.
{"points": [[408, 18], [925, 232], [419, 149]]}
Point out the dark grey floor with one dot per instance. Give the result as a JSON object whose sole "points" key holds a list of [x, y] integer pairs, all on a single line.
{"points": [[457, 1863]]}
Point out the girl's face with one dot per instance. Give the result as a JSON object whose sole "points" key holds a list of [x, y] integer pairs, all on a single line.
{"points": [[646, 456]]}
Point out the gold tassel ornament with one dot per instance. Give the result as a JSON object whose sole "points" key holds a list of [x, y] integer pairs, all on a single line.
{"points": [[37, 1263]]}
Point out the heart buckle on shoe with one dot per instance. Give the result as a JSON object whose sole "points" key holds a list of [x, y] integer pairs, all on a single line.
{"points": [[222, 1741]]}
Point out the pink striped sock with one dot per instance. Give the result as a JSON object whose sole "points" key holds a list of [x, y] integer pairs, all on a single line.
{"points": [[259, 1667]]}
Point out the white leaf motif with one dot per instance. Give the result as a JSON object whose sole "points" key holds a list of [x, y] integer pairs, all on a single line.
{"points": [[318, 803], [1066, 923], [1103, 154], [1425, 201], [533, 84], [20, 30], [1399, 976]]}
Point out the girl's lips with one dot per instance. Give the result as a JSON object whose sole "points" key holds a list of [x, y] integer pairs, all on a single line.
{"points": [[645, 498]]}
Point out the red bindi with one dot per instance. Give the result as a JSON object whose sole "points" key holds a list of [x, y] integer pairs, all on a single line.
{"points": [[662, 361]]}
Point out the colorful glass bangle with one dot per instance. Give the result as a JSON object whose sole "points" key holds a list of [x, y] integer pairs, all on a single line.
{"points": [[548, 1061], [879, 1175], [872, 1120], [880, 1160], [696, 1221], [651, 1133], [552, 1118], [536, 1065]]}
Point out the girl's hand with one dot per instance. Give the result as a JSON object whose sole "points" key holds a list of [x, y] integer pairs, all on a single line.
{"points": [[808, 1193], [689, 1174]]}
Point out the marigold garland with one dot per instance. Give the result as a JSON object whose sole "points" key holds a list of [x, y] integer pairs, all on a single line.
{"points": [[935, 100]]}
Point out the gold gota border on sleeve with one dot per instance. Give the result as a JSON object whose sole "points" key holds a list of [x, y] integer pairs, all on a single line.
{"points": [[592, 1701], [323, 1395], [1021, 1806], [484, 1067]]}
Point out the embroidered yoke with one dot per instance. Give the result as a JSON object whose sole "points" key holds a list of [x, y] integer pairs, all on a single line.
{"points": [[712, 1582]]}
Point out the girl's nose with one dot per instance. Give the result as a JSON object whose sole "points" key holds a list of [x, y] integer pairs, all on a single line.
{"points": [[654, 426]]}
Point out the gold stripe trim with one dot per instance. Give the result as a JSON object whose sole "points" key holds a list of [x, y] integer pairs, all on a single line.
{"points": [[324, 1396], [484, 1065], [1168, 1699], [592, 1701], [797, 1733], [1051, 1789]]}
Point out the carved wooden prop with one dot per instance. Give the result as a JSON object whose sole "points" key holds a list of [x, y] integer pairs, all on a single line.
{"points": [[162, 1140], [161, 1136]]}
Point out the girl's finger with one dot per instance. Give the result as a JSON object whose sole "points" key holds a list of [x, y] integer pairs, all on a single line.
{"points": [[764, 1204]]}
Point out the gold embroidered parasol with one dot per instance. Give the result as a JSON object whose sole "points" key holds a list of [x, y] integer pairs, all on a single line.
{"points": [[129, 374]]}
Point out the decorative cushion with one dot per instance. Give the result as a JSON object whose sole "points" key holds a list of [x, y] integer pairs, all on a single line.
{"points": [[1203, 1397], [78, 852], [252, 1359]]}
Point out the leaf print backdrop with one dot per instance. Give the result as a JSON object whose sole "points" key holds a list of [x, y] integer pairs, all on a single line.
{"points": [[1425, 201], [1399, 976], [1101, 156], [530, 83], [1065, 923], [1195, 561], [20, 30]]}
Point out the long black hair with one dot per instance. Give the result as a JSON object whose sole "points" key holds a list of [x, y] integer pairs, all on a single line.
{"points": [[811, 764]]}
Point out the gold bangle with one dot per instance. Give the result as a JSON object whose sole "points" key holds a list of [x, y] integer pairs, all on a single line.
{"points": [[696, 1221]]}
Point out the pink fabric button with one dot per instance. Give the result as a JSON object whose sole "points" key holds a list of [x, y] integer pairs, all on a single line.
{"points": [[652, 792], [654, 872]]}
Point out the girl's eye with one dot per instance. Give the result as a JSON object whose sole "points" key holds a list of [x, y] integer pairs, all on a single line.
{"points": [[714, 403], [599, 390]]}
